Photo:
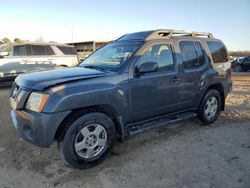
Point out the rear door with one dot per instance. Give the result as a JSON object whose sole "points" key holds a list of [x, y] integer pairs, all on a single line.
{"points": [[194, 65], [40, 57]]}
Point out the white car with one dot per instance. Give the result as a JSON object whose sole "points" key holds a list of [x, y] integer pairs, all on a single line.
{"points": [[17, 58]]}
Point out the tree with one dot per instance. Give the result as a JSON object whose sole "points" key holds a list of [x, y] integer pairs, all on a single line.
{"points": [[6, 40], [17, 40]]}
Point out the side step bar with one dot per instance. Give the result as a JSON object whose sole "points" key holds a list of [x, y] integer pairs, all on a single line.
{"points": [[154, 124]]}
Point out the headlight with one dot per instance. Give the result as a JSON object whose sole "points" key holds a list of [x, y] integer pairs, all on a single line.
{"points": [[36, 101]]}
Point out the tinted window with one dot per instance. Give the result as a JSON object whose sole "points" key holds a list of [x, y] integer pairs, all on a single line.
{"points": [[29, 50], [218, 51], [161, 54], [49, 50], [67, 50], [19, 51], [38, 50], [188, 54], [200, 53], [246, 60], [192, 54]]}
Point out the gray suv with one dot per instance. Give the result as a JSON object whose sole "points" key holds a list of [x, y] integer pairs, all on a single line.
{"points": [[139, 82]]}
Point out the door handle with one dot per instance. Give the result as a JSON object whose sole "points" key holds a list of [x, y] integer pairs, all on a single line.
{"points": [[176, 79]]}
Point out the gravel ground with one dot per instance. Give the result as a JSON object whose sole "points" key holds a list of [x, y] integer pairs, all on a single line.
{"points": [[182, 155]]}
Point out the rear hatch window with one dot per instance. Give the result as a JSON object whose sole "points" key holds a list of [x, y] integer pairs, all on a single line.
{"points": [[218, 51]]}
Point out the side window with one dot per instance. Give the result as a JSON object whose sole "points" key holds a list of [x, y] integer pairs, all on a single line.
{"points": [[49, 51], [19, 51], [161, 54], [10, 50], [192, 54], [200, 53], [247, 60], [38, 50], [218, 51], [67, 50], [28, 50]]}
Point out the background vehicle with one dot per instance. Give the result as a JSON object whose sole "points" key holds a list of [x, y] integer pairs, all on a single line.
{"points": [[26, 57], [139, 82], [241, 65]]}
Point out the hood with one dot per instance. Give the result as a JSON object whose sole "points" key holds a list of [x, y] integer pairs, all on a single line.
{"points": [[45, 79]]}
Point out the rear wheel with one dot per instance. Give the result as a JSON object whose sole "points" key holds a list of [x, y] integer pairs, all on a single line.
{"points": [[88, 140], [210, 107]]}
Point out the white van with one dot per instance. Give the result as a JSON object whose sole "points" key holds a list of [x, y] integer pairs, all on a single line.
{"points": [[20, 58]]}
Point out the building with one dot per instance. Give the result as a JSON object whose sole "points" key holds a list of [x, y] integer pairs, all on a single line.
{"points": [[84, 49]]}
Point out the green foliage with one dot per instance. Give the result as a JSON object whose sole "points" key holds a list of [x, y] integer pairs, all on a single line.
{"points": [[17, 40], [6, 40]]}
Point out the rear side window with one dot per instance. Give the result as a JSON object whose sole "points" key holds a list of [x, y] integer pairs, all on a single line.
{"points": [[199, 52], [38, 50], [19, 51], [192, 54], [67, 50], [218, 51]]}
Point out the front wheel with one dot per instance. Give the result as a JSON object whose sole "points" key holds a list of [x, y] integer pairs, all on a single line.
{"points": [[87, 141], [210, 107], [237, 68]]}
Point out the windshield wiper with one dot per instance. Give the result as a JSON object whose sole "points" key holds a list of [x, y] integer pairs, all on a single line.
{"points": [[94, 67]]}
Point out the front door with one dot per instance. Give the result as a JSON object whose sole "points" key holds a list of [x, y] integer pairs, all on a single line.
{"points": [[155, 94]]}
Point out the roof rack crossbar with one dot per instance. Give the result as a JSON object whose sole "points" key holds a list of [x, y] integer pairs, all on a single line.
{"points": [[168, 33]]}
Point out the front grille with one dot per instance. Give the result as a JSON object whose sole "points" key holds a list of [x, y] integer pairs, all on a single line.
{"points": [[18, 97], [14, 90]]}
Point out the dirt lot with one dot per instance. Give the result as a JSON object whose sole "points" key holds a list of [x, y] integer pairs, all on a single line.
{"points": [[183, 155]]}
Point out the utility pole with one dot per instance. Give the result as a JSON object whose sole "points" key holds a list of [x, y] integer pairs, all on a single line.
{"points": [[72, 34]]}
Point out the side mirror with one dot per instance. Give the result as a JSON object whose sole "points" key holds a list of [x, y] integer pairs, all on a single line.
{"points": [[147, 67], [2, 54]]}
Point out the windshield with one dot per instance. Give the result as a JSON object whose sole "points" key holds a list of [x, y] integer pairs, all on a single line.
{"points": [[2, 46], [111, 57]]}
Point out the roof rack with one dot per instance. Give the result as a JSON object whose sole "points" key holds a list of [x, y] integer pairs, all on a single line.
{"points": [[168, 33]]}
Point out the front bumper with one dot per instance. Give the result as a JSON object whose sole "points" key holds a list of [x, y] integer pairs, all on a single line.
{"points": [[37, 128]]}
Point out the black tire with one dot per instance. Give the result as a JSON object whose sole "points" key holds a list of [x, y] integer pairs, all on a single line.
{"points": [[237, 68], [66, 145], [209, 95]]}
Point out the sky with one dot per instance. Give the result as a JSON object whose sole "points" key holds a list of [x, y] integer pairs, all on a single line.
{"points": [[103, 20]]}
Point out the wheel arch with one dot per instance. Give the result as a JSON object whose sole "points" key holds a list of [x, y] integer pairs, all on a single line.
{"points": [[219, 87], [104, 108]]}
